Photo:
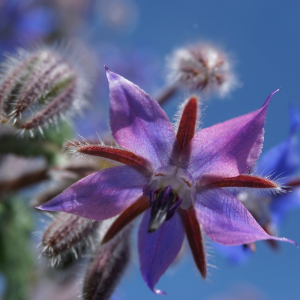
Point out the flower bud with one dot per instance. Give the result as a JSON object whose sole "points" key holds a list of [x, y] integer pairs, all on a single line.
{"points": [[201, 67], [39, 87], [67, 237], [106, 268]]}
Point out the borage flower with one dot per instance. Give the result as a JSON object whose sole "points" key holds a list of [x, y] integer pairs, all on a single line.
{"points": [[182, 176]]}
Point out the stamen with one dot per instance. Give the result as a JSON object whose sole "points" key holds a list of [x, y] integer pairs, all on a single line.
{"points": [[164, 204]]}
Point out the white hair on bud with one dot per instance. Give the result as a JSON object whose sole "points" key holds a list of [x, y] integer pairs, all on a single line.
{"points": [[202, 67], [68, 237]]}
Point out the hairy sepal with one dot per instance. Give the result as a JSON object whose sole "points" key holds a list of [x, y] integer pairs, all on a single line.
{"points": [[188, 121], [242, 182]]}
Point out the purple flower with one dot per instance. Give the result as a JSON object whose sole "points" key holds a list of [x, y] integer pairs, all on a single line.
{"points": [[182, 175]]}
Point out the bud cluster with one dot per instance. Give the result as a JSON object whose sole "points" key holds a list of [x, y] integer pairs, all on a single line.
{"points": [[68, 237], [39, 87]]}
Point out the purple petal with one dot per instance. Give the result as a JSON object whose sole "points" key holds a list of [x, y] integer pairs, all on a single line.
{"points": [[226, 221], [158, 249], [100, 195], [138, 123], [226, 149]]}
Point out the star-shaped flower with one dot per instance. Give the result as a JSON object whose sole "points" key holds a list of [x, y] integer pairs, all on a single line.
{"points": [[177, 179]]}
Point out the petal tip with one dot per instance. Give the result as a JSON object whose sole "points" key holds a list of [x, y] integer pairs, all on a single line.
{"points": [[51, 205], [292, 242], [159, 292], [286, 240], [154, 290], [276, 91], [111, 75], [44, 207], [266, 103], [40, 207]]}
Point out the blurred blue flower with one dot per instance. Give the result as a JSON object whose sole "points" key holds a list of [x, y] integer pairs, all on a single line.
{"points": [[139, 65], [24, 21]]}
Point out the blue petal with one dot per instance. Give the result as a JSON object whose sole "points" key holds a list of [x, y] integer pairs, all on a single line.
{"points": [[38, 21], [282, 204], [235, 254], [283, 159], [294, 119], [158, 249]]}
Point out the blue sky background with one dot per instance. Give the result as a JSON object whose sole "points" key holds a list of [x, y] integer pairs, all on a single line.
{"points": [[264, 39]]}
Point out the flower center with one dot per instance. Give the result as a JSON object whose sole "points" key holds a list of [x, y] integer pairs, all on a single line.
{"points": [[170, 188]]}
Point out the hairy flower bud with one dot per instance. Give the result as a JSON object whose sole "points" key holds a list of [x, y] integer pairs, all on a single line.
{"points": [[106, 268], [202, 67], [39, 87], [67, 237]]}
